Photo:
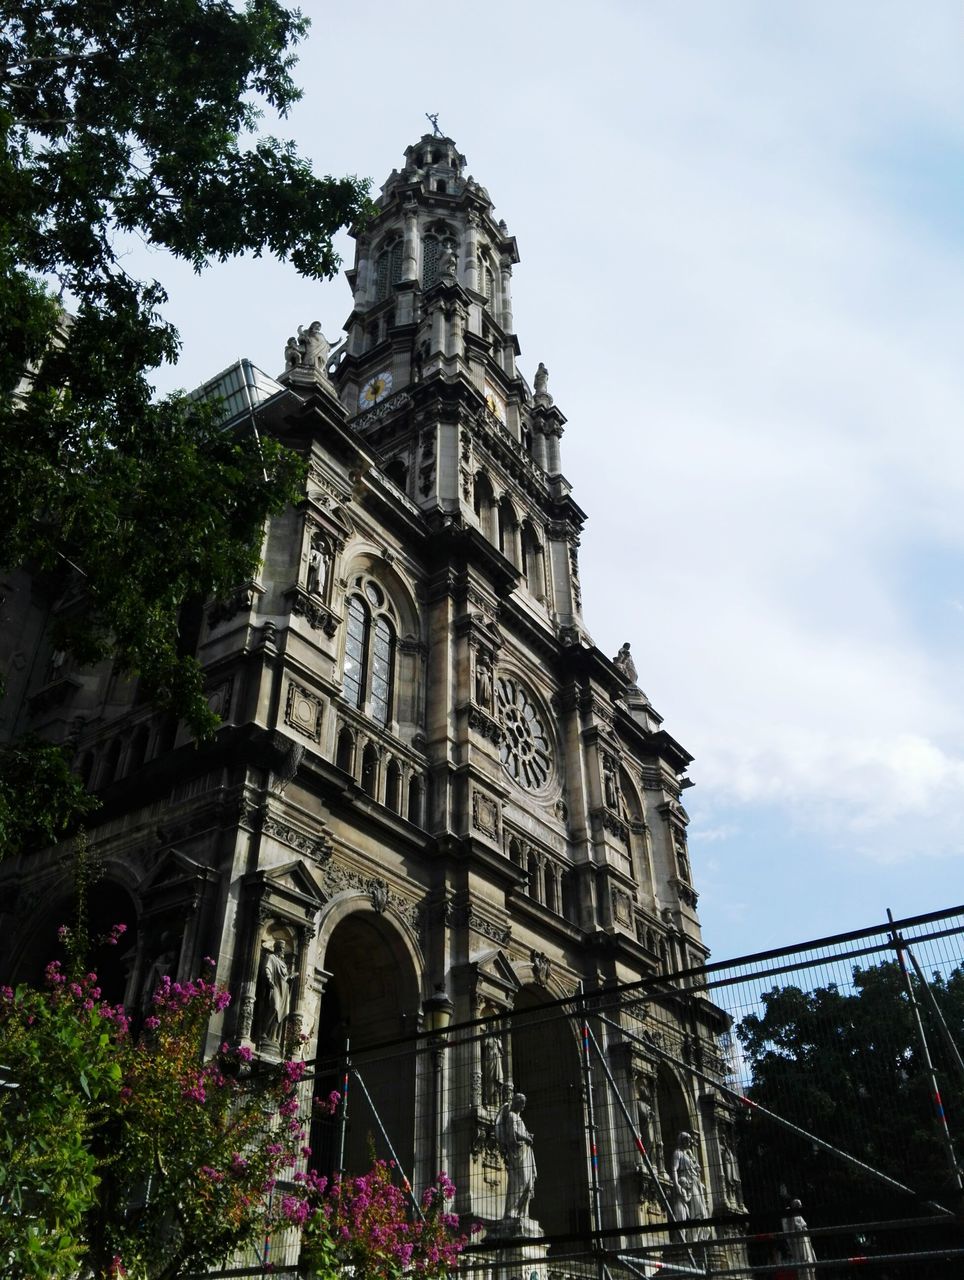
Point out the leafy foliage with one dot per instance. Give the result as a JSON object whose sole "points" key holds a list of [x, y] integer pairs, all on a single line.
{"points": [[138, 120], [368, 1224], [133, 1156], [133, 1152], [848, 1068]]}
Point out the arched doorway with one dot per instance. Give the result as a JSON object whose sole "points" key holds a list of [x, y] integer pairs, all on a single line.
{"points": [[371, 997], [546, 1068], [109, 904]]}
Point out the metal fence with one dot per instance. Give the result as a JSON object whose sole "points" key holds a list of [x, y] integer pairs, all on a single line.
{"points": [[810, 1082]]}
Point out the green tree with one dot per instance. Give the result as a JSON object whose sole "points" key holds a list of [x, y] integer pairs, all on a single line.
{"points": [[118, 120], [847, 1067]]}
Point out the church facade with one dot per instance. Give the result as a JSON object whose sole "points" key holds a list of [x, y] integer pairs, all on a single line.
{"points": [[429, 784]]}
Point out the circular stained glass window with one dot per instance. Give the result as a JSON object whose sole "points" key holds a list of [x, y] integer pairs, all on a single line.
{"points": [[526, 752]]}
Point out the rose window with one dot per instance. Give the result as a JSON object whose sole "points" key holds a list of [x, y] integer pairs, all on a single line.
{"points": [[526, 752]]}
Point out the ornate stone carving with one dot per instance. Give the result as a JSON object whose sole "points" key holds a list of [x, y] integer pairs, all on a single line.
{"points": [[318, 848], [303, 711], [393, 403], [485, 725], [240, 601], [337, 878], [219, 697], [622, 906], [485, 814], [487, 928], [541, 967], [317, 615], [378, 893]]}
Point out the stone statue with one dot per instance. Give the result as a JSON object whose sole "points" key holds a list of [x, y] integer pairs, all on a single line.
{"points": [[520, 1161], [731, 1172], [317, 567], [623, 660], [314, 347], [292, 353], [610, 783], [541, 383], [689, 1193], [448, 264], [275, 994], [801, 1250], [492, 1073], [483, 681]]}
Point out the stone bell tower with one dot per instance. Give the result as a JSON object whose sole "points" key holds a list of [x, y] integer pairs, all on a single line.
{"points": [[430, 367]]}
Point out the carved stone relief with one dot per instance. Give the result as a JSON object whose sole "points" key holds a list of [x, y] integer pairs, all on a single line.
{"points": [[303, 711]]}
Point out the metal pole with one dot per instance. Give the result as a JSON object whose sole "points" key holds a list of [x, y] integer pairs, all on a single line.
{"points": [[640, 1145], [590, 1123], [388, 1143], [936, 1010], [343, 1109], [939, 1115]]}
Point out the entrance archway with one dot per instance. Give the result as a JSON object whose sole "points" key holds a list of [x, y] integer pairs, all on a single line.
{"points": [[109, 904], [545, 1067], [372, 997]]}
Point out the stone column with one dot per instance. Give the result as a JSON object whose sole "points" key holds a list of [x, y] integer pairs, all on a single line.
{"points": [[410, 250], [505, 305], [362, 281], [472, 253]]}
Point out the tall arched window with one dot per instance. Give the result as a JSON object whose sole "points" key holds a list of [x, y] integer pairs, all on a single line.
{"points": [[486, 279], [484, 503], [532, 562], [388, 269], [369, 670], [431, 252]]}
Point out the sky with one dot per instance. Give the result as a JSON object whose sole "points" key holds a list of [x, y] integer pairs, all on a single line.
{"points": [[741, 228]]}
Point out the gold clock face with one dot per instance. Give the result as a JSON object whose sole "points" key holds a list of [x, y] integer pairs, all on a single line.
{"points": [[375, 389], [494, 402]]}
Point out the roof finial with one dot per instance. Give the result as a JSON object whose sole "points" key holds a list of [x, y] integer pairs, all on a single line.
{"points": [[433, 120]]}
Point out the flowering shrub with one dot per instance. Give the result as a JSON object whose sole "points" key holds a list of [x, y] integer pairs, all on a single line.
{"points": [[124, 1157], [133, 1157], [369, 1223]]}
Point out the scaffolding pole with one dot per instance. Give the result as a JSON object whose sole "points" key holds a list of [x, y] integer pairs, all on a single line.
{"points": [[939, 1115]]}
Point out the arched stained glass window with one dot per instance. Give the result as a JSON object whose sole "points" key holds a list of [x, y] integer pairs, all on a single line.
{"points": [[388, 269], [369, 666], [355, 645], [382, 645]]}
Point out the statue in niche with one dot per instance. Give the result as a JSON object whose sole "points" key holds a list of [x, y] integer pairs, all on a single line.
{"points": [[799, 1246], [520, 1161], [483, 680], [624, 662], [689, 1193], [610, 783], [731, 1172], [317, 567], [274, 995], [683, 862], [645, 1116], [493, 1076]]}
